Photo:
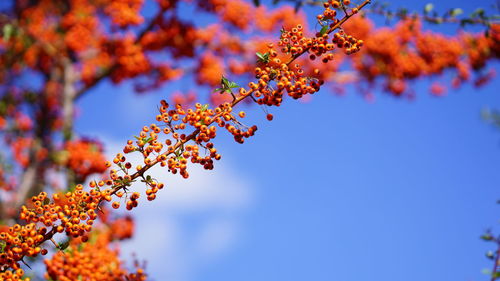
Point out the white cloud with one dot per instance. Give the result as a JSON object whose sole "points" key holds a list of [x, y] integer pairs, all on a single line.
{"points": [[216, 237], [217, 189], [193, 221]]}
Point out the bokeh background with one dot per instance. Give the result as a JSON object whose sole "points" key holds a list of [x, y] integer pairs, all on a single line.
{"points": [[335, 188]]}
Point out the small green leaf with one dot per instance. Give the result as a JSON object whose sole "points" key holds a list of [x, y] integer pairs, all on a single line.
{"points": [[2, 246], [403, 12], [226, 86], [63, 245], [7, 31], [487, 237], [262, 57], [486, 271], [428, 8], [224, 82], [323, 30], [478, 12], [456, 12]]}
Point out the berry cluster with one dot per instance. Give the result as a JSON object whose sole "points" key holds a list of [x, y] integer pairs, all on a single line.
{"points": [[94, 260], [125, 12], [180, 136], [405, 52], [85, 157], [11, 275]]}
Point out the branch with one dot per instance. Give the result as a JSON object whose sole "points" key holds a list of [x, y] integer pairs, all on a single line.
{"points": [[333, 28], [496, 262], [69, 92], [380, 9], [118, 186], [29, 179], [434, 19], [32, 179]]}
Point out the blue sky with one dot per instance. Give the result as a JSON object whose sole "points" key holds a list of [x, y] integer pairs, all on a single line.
{"points": [[391, 190]]}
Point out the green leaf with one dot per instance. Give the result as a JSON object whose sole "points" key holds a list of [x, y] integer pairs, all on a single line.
{"points": [[63, 245], [323, 30], [2, 245], [8, 29], [478, 12], [428, 8], [487, 237], [262, 57], [226, 86], [224, 82], [456, 12], [403, 12]]}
